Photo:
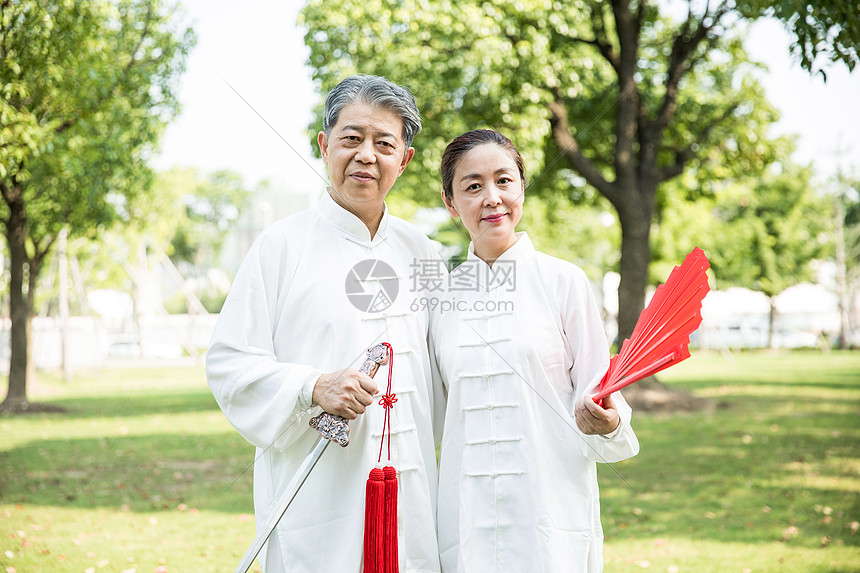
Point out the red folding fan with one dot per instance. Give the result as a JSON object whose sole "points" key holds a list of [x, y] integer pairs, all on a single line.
{"points": [[663, 330]]}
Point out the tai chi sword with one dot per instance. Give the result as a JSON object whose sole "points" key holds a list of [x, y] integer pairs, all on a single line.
{"points": [[332, 429]]}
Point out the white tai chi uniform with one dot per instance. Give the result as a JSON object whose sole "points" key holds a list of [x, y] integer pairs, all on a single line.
{"points": [[517, 479], [286, 321]]}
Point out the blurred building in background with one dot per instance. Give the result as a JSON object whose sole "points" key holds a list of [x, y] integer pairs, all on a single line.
{"points": [[129, 327]]}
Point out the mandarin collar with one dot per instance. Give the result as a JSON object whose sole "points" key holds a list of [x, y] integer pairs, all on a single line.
{"points": [[350, 223], [519, 251]]}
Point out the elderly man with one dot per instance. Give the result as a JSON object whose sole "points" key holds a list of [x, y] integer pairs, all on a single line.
{"points": [[300, 311]]}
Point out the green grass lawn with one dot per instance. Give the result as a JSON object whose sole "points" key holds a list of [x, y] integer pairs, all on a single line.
{"points": [[137, 476], [769, 481], [140, 474]]}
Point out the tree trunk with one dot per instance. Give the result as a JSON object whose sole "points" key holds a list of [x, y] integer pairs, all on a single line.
{"points": [[841, 269], [635, 258], [771, 323], [33, 267], [19, 309]]}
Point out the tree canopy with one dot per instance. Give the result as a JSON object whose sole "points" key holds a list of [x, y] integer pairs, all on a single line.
{"points": [[771, 230], [778, 223], [86, 90], [624, 96], [823, 31], [211, 204]]}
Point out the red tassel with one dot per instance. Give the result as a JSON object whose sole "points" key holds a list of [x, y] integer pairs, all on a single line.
{"points": [[374, 522], [380, 513], [389, 540]]}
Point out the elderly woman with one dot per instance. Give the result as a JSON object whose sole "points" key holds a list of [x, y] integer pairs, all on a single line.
{"points": [[520, 346]]}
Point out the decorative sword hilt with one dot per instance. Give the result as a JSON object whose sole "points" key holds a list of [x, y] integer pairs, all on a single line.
{"points": [[335, 428]]}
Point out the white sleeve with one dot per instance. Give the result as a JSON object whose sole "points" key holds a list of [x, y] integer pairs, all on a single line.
{"points": [[586, 341], [267, 401]]}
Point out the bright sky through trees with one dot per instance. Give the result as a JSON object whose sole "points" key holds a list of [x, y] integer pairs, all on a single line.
{"points": [[258, 49]]}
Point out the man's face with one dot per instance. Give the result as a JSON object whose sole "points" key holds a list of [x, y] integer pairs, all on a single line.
{"points": [[365, 154]]}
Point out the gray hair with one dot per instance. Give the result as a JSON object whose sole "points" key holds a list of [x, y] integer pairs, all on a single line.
{"points": [[378, 92]]}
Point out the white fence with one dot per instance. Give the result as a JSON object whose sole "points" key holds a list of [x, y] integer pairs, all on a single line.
{"points": [[94, 342], [735, 318]]}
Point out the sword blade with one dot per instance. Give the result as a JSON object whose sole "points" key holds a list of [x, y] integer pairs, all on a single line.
{"points": [[332, 429], [292, 489]]}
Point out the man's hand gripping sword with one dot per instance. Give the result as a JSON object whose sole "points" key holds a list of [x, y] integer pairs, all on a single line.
{"points": [[332, 429]]}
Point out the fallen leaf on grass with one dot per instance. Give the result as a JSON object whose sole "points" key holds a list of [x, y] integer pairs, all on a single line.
{"points": [[161, 569], [644, 564], [90, 570], [789, 532], [659, 542], [132, 570], [854, 526], [673, 569], [102, 563], [9, 554]]}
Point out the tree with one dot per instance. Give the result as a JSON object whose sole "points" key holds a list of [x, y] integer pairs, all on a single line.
{"points": [[846, 216], [772, 230], [212, 204], [86, 90], [828, 30], [624, 96]]}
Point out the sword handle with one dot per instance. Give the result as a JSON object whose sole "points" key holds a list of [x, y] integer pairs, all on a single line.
{"points": [[334, 428]]}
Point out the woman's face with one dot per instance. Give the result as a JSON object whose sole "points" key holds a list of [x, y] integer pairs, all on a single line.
{"points": [[487, 195]]}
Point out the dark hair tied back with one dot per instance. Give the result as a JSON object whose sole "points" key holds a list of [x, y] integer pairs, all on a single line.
{"points": [[463, 144]]}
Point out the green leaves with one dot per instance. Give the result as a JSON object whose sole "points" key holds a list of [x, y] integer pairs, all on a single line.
{"points": [[86, 88], [825, 31], [770, 230], [652, 110]]}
